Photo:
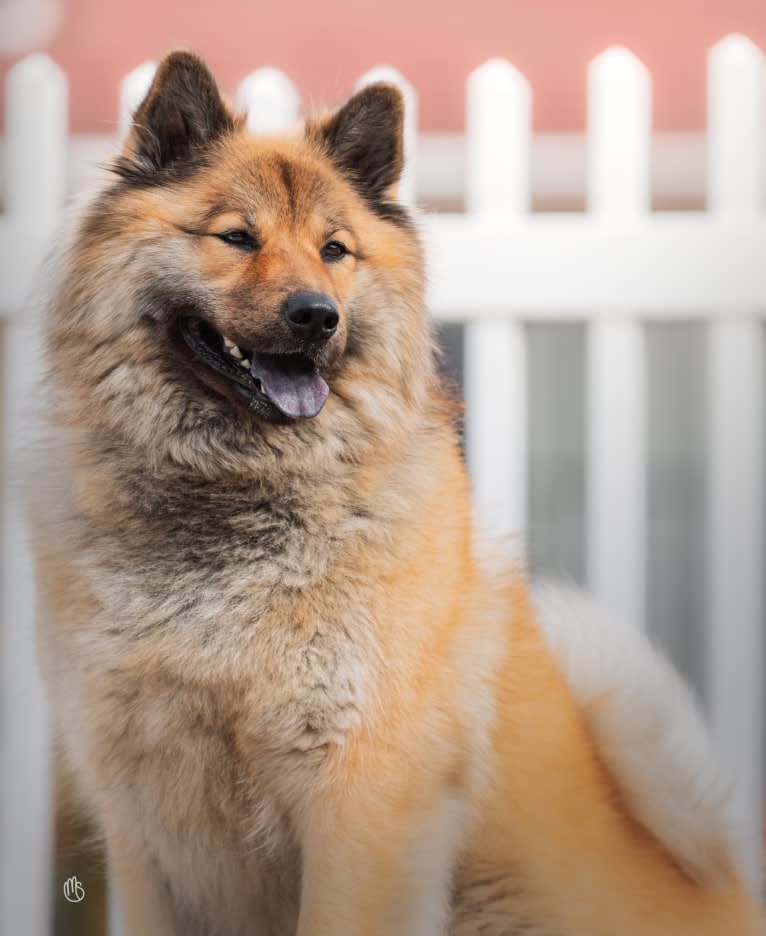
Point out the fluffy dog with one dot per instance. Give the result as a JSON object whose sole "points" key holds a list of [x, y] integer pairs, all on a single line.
{"points": [[295, 699]]}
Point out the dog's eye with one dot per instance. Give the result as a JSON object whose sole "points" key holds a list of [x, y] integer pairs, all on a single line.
{"points": [[333, 251], [236, 238]]}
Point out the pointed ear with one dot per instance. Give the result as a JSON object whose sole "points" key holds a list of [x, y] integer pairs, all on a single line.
{"points": [[365, 141], [180, 117]]}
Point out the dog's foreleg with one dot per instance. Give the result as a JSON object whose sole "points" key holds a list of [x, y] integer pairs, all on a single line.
{"points": [[145, 905], [379, 862]]}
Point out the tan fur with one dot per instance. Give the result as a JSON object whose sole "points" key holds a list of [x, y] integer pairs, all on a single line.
{"points": [[294, 698]]}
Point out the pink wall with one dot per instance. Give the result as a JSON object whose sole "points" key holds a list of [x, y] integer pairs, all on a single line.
{"points": [[324, 45]]}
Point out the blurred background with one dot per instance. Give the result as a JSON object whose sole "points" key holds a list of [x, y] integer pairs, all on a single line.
{"points": [[619, 435]]}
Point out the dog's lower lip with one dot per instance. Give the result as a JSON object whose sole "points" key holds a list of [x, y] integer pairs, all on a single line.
{"points": [[209, 346], [287, 383]]}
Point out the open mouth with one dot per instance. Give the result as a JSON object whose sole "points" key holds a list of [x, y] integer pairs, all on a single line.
{"points": [[290, 383]]}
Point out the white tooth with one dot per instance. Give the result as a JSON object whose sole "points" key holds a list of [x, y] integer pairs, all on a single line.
{"points": [[245, 363], [228, 342], [234, 350]]}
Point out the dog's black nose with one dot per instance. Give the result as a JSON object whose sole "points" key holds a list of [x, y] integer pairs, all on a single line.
{"points": [[312, 316]]}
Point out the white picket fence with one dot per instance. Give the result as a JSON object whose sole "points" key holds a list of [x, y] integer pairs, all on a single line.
{"points": [[496, 267]]}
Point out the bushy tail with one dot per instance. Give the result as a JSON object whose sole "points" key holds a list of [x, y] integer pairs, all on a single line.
{"points": [[647, 730]]}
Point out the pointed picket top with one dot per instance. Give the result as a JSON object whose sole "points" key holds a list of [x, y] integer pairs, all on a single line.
{"points": [[619, 134], [736, 126], [34, 68], [735, 49], [270, 100], [36, 122], [620, 63], [498, 139], [133, 89], [498, 76], [392, 76]]}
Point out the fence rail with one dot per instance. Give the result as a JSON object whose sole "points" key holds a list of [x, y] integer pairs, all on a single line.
{"points": [[494, 268]]}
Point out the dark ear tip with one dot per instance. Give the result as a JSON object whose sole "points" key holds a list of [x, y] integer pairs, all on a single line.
{"points": [[182, 54], [181, 60], [384, 95]]}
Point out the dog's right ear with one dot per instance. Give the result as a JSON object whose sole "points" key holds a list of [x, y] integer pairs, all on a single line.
{"points": [[182, 114]]}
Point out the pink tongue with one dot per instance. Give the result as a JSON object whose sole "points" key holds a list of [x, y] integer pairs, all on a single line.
{"points": [[291, 382]]}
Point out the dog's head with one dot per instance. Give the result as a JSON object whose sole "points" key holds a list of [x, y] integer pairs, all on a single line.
{"points": [[231, 296]]}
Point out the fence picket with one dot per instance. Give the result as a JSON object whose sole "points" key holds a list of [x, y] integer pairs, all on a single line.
{"points": [[498, 111], [736, 477], [619, 135], [736, 182], [36, 102], [36, 120], [270, 99], [498, 141], [133, 89], [619, 126]]}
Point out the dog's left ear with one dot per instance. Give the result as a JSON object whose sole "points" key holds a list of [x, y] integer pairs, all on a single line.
{"points": [[182, 115], [365, 140]]}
